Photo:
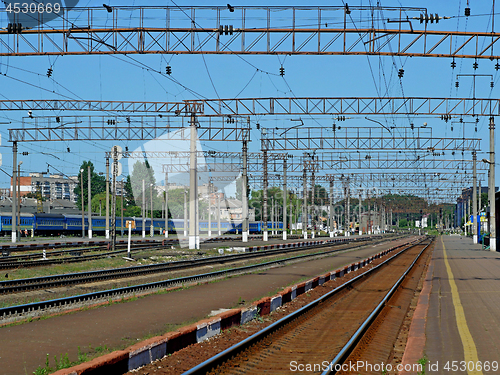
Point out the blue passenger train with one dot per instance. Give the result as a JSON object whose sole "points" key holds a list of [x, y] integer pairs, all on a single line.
{"points": [[57, 224]]}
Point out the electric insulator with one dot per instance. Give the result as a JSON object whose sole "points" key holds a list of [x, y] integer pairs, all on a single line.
{"points": [[401, 72], [453, 64], [497, 66], [492, 84], [14, 28], [168, 70], [68, 149], [456, 84], [49, 72], [258, 126], [467, 12], [25, 153], [282, 71], [58, 119], [475, 65]]}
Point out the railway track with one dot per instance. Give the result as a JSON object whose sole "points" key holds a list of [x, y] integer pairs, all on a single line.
{"points": [[75, 255], [22, 285], [323, 333], [14, 313]]}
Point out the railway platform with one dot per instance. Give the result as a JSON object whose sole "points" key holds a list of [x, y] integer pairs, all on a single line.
{"points": [[456, 323]]}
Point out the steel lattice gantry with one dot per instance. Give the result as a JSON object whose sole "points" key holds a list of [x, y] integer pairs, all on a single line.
{"points": [[297, 106], [319, 138], [94, 128], [333, 30]]}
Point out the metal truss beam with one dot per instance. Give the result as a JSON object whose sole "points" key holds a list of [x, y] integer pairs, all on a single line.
{"points": [[110, 128], [389, 161], [367, 106], [318, 138], [245, 31], [323, 160]]}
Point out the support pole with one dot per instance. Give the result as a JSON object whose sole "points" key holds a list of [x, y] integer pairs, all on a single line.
{"points": [[244, 183], [209, 210], [313, 201], [360, 231], [83, 204], [193, 188], [304, 203], [121, 200], [18, 228], [264, 203], [89, 198], [113, 196], [14, 193], [185, 214], [166, 204], [491, 190], [107, 198], [219, 229], [330, 213], [143, 208], [285, 194], [152, 227]]}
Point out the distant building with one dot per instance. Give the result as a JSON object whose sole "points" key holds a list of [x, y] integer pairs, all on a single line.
{"points": [[52, 187]]}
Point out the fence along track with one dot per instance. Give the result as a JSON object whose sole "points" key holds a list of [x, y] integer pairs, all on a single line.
{"points": [[317, 332]]}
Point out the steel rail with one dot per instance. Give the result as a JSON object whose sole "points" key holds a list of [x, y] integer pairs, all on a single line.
{"points": [[16, 261], [19, 285], [13, 313], [347, 348], [225, 355]]}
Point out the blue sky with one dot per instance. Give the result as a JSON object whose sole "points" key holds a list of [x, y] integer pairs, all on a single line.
{"points": [[136, 77]]}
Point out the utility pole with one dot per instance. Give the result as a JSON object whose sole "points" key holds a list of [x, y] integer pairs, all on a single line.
{"points": [[313, 200], [193, 188], [151, 228], [83, 203], [368, 223], [360, 231], [219, 229], [113, 204], [14, 193], [122, 196], [185, 214], [18, 228], [209, 209], [89, 197], [331, 207], [491, 190], [304, 204], [285, 194], [244, 183], [107, 198], [264, 208], [272, 216], [143, 209], [166, 204]]}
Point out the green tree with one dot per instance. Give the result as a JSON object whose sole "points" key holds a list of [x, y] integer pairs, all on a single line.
{"points": [[97, 182], [141, 172]]}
